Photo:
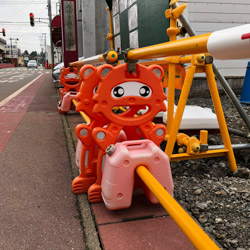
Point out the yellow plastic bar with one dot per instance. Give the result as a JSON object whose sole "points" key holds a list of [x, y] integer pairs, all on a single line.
{"points": [[84, 116], [171, 96], [207, 154], [179, 111], [90, 60], [111, 29], [189, 227], [203, 136], [220, 116], [186, 46]]}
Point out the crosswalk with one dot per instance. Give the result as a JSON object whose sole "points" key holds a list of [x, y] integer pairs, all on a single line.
{"points": [[12, 75]]}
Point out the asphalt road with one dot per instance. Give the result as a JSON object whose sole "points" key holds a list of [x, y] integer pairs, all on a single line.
{"points": [[12, 79]]}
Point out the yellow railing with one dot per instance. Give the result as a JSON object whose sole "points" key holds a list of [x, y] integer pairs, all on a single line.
{"points": [[189, 227], [84, 116]]}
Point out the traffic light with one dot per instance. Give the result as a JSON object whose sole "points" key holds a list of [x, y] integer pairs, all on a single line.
{"points": [[32, 21], [3, 31]]}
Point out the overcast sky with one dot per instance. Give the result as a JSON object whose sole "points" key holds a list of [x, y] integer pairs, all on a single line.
{"points": [[14, 17]]}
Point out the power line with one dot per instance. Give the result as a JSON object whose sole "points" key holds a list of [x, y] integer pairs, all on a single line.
{"points": [[21, 23], [23, 2]]}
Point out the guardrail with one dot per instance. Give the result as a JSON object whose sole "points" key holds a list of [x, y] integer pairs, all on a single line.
{"points": [[189, 227]]}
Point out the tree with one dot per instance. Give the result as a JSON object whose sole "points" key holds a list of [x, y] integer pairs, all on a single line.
{"points": [[33, 55]]}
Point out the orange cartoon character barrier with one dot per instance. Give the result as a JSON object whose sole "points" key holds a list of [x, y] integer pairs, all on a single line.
{"points": [[88, 152], [119, 87], [71, 85], [87, 149]]}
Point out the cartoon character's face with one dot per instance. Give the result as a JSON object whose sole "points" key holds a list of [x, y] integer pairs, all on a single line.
{"points": [[88, 74], [69, 78], [118, 87]]}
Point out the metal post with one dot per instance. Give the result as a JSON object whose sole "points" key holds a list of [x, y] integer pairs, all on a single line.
{"points": [[50, 30], [11, 50], [220, 77], [17, 53], [45, 40]]}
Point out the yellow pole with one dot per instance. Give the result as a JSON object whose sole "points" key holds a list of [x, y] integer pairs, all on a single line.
{"points": [[110, 36], [84, 116], [186, 46], [90, 60], [220, 116], [189, 227], [172, 31], [179, 111], [203, 136], [170, 96]]}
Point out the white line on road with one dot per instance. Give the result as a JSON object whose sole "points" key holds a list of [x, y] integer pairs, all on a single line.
{"points": [[7, 99]]}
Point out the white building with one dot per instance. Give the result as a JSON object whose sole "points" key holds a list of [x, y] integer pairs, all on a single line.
{"points": [[206, 16], [2, 49], [11, 51]]}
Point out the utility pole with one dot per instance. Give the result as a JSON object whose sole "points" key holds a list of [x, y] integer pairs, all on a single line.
{"points": [[11, 50], [50, 30], [45, 45]]}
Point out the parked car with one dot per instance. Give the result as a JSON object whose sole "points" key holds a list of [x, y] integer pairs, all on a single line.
{"points": [[32, 64], [56, 70]]}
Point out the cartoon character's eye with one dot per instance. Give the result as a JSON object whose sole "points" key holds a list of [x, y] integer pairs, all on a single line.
{"points": [[118, 91], [95, 89], [144, 91], [126, 89]]}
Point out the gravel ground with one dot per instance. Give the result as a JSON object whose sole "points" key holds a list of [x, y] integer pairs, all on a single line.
{"points": [[211, 193]]}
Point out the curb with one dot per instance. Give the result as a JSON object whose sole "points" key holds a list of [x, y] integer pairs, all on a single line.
{"points": [[91, 238]]}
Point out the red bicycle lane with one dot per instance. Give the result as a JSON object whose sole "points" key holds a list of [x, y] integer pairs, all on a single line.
{"points": [[12, 112]]}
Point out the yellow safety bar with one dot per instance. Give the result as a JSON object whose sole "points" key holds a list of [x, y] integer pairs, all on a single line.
{"points": [[110, 35], [185, 46], [189, 227], [84, 116]]}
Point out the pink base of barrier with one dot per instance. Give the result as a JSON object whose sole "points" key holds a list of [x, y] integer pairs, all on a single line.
{"points": [[121, 137], [119, 172], [67, 102], [78, 153]]}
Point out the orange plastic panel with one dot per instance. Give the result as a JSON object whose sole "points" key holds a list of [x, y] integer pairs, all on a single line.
{"points": [[68, 79], [90, 81], [180, 75], [118, 87]]}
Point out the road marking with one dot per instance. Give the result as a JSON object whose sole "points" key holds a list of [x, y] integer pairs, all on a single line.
{"points": [[7, 99], [8, 74]]}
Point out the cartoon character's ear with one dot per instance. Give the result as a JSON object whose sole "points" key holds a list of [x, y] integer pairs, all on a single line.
{"points": [[86, 71], [104, 70], [62, 69], [158, 71]]}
